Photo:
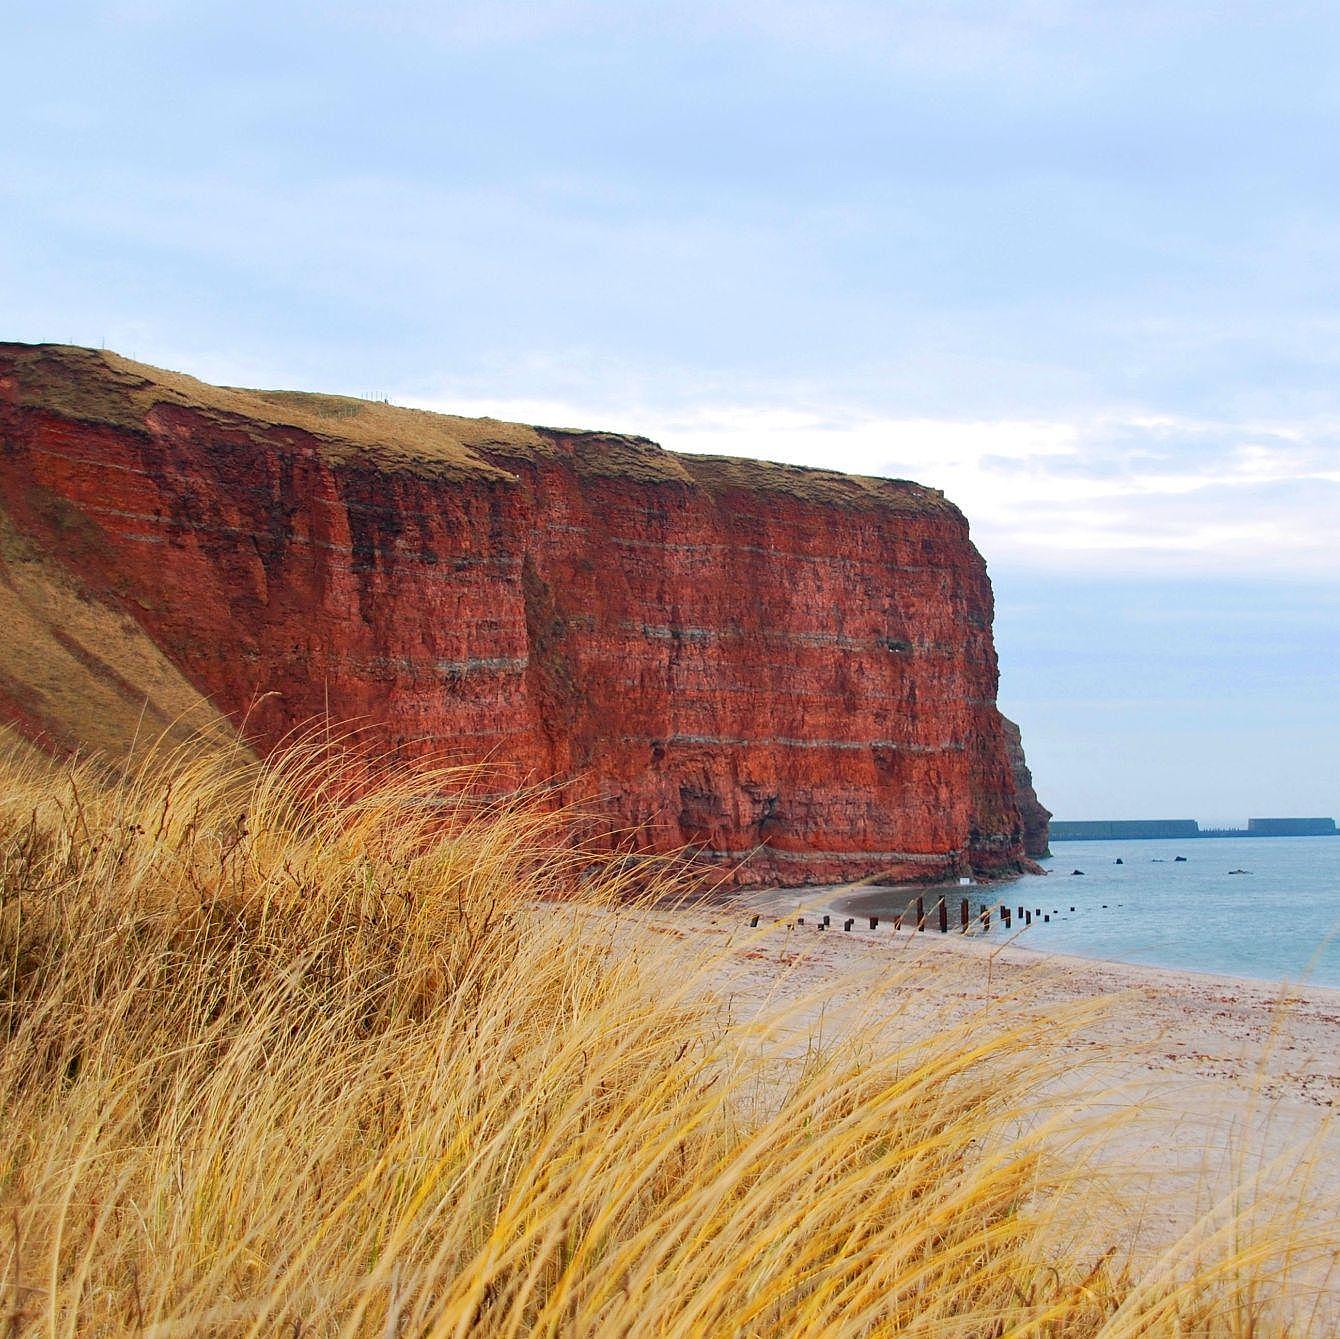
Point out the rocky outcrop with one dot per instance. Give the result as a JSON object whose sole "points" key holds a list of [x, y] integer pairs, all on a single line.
{"points": [[1035, 819], [789, 671]]}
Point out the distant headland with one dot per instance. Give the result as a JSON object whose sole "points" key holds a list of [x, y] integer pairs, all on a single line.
{"points": [[1138, 829]]}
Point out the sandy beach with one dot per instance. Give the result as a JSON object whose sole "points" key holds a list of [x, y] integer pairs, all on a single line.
{"points": [[1213, 1078]]}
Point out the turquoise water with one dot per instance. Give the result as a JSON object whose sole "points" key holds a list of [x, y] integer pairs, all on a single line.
{"points": [[1280, 920]]}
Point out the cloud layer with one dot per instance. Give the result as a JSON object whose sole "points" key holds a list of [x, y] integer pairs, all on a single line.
{"points": [[1078, 264], [1109, 494]]}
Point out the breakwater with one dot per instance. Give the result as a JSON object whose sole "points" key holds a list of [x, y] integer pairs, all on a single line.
{"points": [[1153, 829]]}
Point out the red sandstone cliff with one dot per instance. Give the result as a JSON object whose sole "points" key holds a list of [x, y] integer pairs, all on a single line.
{"points": [[1034, 818], [789, 669]]}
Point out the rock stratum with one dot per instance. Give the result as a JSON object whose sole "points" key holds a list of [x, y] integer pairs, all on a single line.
{"points": [[788, 671]]}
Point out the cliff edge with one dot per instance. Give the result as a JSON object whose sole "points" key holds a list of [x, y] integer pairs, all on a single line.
{"points": [[789, 671]]}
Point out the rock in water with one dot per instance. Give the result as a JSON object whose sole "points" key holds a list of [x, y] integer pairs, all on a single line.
{"points": [[790, 670]]}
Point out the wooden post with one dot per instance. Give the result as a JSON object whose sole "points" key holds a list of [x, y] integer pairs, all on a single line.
{"points": [[921, 914], [1005, 917], [753, 924], [800, 920], [1021, 913], [986, 918], [826, 922], [963, 915], [1046, 918], [943, 908], [874, 922], [848, 923], [1028, 917]]}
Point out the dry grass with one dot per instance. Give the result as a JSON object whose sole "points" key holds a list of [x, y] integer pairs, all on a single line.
{"points": [[279, 1061], [83, 673], [98, 386], [809, 484]]}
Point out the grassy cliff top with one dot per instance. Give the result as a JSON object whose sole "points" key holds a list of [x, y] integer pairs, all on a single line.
{"points": [[98, 386]]}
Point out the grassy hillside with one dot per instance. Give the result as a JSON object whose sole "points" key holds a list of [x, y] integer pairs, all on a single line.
{"points": [[82, 675]]}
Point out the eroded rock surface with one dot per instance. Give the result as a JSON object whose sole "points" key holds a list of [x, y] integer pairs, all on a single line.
{"points": [[791, 670], [1033, 815]]}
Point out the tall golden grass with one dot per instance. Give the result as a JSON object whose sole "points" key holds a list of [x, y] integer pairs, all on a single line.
{"points": [[295, 1049]]}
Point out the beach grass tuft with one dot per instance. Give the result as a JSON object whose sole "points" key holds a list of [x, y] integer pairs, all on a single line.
{"points": [[319, 1046]]}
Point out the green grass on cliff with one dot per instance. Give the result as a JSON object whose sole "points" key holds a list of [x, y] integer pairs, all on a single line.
{"points": [[286, 1051]]}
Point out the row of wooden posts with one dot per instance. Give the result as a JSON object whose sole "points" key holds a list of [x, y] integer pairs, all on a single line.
{"points": [[1023, 915]]}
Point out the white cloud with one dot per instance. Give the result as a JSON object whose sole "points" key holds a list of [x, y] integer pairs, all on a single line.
{"points": [[1124, 492]]}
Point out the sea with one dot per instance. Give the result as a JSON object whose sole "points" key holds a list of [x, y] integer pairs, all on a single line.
{"points": [[1279, 920]]}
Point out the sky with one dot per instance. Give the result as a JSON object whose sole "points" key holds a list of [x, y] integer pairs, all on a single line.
{"points": [[1076, 264]]}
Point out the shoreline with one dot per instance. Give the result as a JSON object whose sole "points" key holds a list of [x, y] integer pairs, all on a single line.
{"points": [[1205, 1073], [836, 901]]}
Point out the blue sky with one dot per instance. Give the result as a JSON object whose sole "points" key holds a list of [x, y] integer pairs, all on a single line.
{"points": [[1077, 264]]}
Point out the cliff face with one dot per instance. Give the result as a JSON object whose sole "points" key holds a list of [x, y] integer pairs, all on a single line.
{"points": [[1033, 816], [791, 670]]}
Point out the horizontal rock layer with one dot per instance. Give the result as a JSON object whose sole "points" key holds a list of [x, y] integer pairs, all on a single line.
{"points": [[789, 671]]}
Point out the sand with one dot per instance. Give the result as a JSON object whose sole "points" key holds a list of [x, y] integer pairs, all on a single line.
{"points": [[1222, 1077]]}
